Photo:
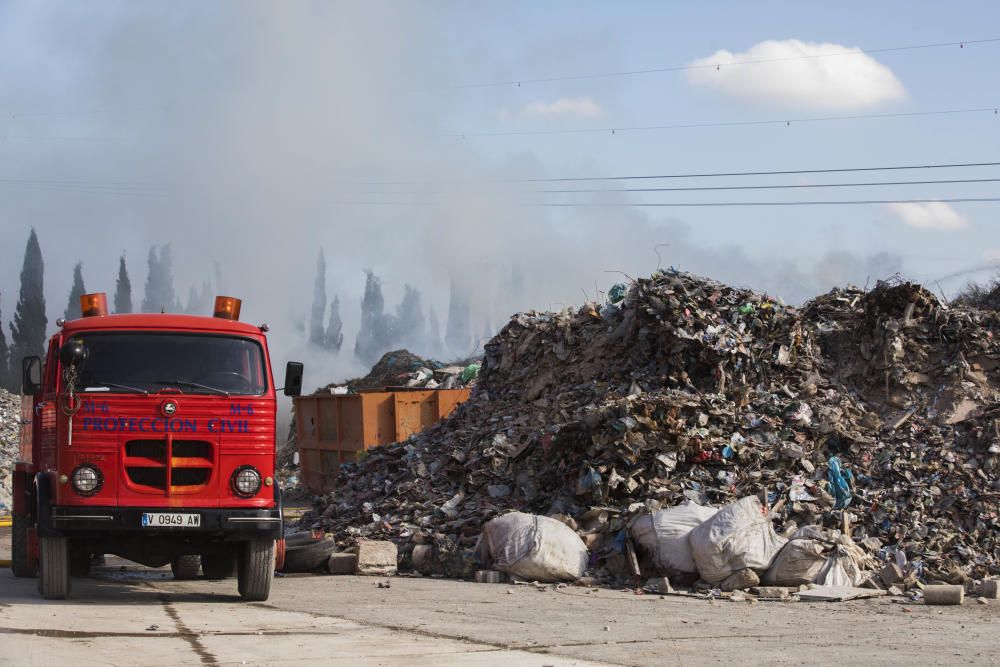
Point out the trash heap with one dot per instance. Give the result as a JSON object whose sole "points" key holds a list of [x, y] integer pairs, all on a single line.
{"points": [[402, 368], [876, 413], [10, 419]]}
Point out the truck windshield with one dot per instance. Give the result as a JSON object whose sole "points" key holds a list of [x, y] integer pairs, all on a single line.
{"points": [[192, 364]]}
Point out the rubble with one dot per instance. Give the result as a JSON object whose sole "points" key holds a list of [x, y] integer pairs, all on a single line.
{"points": [[873, 413], [402, 368], [376, 557], [10, 420]]}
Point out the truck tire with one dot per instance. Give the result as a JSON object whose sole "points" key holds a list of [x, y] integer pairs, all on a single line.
{"points": [[218, 566], [20, 560], [256, 570], [53, 566], [186, 567]]}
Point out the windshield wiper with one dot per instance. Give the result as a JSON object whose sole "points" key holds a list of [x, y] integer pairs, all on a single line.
{"points": [[183, 383], [97, 384]]}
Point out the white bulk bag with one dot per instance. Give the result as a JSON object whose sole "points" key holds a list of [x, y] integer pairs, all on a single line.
{"points": [[532, 547]]}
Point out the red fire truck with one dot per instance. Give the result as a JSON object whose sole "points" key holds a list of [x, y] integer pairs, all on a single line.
{"points": [[151, 437]]}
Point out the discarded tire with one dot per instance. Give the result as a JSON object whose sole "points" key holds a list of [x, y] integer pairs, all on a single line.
{"points": [[186, 567], [306, 556]]}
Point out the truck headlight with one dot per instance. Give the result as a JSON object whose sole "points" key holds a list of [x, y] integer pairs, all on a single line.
{"points": [[245, 481], [87, 479]]}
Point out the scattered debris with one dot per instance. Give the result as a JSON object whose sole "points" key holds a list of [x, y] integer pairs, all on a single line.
{"points": [[837, 594], [376, 557], [342, 562], [944, 594], [490, 577], [402, 368]]}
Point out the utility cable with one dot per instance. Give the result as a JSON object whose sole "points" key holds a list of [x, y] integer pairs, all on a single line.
{"points": [[995, 110], [690, 66]]}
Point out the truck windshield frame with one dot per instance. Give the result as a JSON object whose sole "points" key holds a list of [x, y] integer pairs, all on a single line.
{"points": [[149, 362]]}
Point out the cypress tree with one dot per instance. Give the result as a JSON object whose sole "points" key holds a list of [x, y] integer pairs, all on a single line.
{"points": [[73, 311], [433, 333], [410, 321], [159, 294], [151, 293], [27, 330], [458, 336], [378, 331], [334, 331], [123, 289], [316, 334]]}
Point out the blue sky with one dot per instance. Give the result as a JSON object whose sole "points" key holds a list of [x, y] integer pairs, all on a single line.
{"points": [[229, 131]]}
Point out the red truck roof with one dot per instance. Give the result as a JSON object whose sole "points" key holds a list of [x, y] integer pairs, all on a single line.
{"points": [[160, 321]]}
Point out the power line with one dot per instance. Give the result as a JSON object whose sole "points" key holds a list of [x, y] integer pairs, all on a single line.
{"points": [[781, 186], [847, 202], [773, 187], [682, 68], [843, 202], [152, 186], [783, 172], [739, 123]]}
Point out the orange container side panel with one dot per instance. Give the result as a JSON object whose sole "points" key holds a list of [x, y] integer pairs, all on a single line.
{"points": [[333, 430]]}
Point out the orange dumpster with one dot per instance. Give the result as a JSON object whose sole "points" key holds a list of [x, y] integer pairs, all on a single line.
{"points": [[331, 430]]}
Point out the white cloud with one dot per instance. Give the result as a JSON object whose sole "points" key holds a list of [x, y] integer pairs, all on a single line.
{"points": [[992, 256], [795, 78], [565, 107], [932, 215]]}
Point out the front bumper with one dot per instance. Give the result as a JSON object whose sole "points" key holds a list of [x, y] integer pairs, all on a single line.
{"points": [[262, 523]]}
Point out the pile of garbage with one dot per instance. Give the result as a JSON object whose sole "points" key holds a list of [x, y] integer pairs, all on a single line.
{"points": [[865, 424], [10, 420], [402, 368]]}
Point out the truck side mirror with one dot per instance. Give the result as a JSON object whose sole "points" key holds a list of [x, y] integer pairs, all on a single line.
{"points": [[293, 378], [31, 376]]}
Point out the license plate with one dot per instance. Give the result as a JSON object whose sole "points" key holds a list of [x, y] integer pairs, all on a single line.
{"points": [[170, 520]]}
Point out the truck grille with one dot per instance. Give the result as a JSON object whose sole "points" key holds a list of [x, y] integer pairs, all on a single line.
{"points": [[169, 466]]}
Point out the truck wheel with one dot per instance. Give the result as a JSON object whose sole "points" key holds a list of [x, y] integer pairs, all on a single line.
{"points": [[256, 570], [186, 567], [20, 561], [53, 582], [218, 566]]}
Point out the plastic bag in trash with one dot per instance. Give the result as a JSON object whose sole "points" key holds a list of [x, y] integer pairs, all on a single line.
{"points": [[663, 536], [738, 537], [532, 547], [471, 372], [840, 481]]}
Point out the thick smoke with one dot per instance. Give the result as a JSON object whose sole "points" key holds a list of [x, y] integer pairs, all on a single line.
{"points": [[249, 135]]}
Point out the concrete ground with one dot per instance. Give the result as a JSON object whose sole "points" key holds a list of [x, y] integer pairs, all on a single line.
{"points": [[137, 616]]}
